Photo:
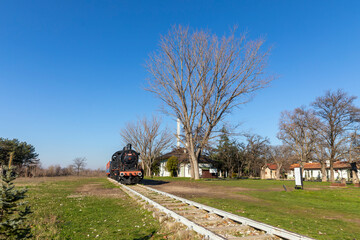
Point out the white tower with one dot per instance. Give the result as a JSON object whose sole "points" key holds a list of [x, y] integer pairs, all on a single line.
{"points": [[178, 133]]}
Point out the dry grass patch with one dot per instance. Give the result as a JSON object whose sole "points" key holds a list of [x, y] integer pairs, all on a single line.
{"points": [[96, 189]]}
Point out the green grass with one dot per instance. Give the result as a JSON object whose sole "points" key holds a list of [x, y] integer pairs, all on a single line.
{"points": [[172, 179], [62, 213], [318, 211], [246, 183], [264, 184]]}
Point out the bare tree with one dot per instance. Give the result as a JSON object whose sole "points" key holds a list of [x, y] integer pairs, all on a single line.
{"points": [[148, 139], [79, 164], [281, 156], [256, 154], [321, 154], [337, 113], [200, 78], [298, 131], [353, 155]]}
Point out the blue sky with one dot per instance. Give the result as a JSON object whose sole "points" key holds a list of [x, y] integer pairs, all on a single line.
{"points": [[72, 72]]}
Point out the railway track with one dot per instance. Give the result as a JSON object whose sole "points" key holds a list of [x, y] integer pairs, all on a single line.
{"points": [[207, 221]]}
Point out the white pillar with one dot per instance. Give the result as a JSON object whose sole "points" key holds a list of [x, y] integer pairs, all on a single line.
{"points": [[178, 133]]}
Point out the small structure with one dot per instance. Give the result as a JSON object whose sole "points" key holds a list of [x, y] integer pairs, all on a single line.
{"points": [[270, 171], [312, 171], [206, 169]]}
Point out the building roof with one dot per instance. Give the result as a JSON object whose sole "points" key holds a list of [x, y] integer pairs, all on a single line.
{"points": [[317, 165], [183, 156], [272, 166], [340, 165], [307, 166]]}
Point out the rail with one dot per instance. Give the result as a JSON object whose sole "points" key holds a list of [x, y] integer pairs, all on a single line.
{"points": [[235, 227]]}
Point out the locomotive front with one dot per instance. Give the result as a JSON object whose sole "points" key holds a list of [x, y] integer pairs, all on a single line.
{"points": [[124, 166]]}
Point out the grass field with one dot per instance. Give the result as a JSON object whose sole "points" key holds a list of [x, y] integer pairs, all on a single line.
{"points": [[85, 208], [318, 211]]}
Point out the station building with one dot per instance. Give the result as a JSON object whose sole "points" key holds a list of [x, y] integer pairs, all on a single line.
{"points": [[312, 170], [206, 166]]}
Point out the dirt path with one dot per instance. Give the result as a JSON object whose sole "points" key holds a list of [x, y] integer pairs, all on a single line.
{"points": [[192, 189]]}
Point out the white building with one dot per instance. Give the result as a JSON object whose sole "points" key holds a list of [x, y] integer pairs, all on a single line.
{"points": [[206, 169], [312, 171]]}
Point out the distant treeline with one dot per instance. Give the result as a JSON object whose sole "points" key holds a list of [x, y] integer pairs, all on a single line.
{"points": [[23, 157], [57, 170]]}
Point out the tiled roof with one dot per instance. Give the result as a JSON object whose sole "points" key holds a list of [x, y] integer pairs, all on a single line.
{"points": [[307, 166], [340, 164], [272, 166], [317, 165]]}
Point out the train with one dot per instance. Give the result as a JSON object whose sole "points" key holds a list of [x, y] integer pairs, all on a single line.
{"points": [[124, 166]]}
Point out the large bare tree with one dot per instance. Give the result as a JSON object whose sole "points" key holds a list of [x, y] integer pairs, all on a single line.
{"points": [[147, 138], [200, 78], [338, 114], [297, 129], [282, 156], [256, 150], [321, 155]]}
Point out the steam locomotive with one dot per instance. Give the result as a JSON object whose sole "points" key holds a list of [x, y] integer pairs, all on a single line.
{"points": [[124, 166]]}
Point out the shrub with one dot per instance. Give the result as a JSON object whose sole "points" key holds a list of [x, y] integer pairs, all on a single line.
{"points": [[172, 166]]}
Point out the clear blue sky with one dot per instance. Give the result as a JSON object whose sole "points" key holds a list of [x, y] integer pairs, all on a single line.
{"points": [[71, 72]]}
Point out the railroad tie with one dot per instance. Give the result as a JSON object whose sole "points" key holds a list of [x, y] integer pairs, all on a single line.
{"points": [[210, 222]]}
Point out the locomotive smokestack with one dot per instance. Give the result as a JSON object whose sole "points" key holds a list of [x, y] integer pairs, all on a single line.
{"points": [[128, 147], [178, 133]]}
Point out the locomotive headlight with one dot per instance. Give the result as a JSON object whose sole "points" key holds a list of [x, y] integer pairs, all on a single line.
{"points": [[139, 174], [121, 174]]}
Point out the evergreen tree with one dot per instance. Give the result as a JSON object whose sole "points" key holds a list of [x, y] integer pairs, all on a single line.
{"points": [[24, 153], [228, 154], [172, 166], [13, 211]]}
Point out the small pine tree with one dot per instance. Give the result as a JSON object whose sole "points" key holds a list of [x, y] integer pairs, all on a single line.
{"points": [[172, 166], [13, 211]]}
